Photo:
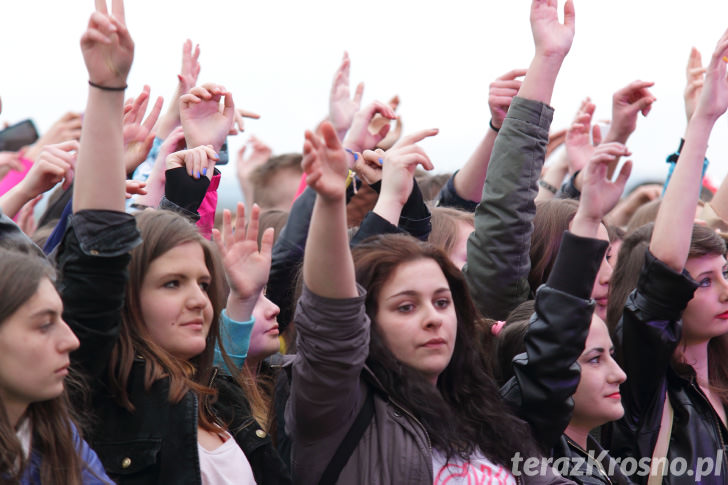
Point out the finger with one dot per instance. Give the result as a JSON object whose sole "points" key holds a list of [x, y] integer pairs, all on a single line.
{"points": [[417, 136], [67, 146], [154, 114], [100, 6], [248, 114], [228, 109], [93, 35], [645, 105], [694, 61], [117, 10], [359, 93], [418, 159], [198, 163], [227, 229], [382, 133], [596, 135], [218, 241], [394, 102], [378, 107], [330, 137], [569, 14], [624, 174], [513, 74], [251, 234], [266, 243]]}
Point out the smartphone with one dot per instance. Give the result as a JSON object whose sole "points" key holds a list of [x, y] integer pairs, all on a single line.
{"points": [[17, 136], [224, 158]]}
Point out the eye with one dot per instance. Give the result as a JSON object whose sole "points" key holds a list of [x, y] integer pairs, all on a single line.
{"points": [[405, 308], [704, 283], [442, 303], [171, 284], [608, 254], [595, 360], [46, 327], [205, 285], [725, 273]]}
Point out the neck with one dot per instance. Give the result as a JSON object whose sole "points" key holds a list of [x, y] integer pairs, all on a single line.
{"points": [[253, 365], [696, 355], [577, 434], [15, 411]]}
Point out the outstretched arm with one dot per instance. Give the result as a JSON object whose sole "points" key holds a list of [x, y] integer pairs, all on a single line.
{"points": [[328, 269], [108, 51], [470, 179], [673, 227], [498, 250]]}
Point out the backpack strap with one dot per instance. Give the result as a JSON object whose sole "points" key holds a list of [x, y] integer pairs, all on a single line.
{"points": [[350, 442], [663, 442]]}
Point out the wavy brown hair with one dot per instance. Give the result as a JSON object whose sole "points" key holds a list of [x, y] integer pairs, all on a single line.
{"points": [[464, 411], [51, 423], [162, 231]]}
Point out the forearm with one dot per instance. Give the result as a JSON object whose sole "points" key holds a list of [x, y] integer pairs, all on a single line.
{"points": [[538, 85], [14, 199], [670, 241], [170, 120], [328, 269], [470, 179], [99, 183]]}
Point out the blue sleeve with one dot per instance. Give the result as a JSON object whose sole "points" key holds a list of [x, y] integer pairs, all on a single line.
{"points": [[235, 338]]}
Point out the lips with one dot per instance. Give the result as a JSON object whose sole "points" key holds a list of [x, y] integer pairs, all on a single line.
{"points": [[63, 370], [272, 331], [723, 316], [434, 343], [615, 395], [193, 324], [602, 301]]}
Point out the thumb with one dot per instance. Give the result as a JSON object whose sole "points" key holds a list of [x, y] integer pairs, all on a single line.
{"points": [[596, 135], [382, 133], [624, 174]]}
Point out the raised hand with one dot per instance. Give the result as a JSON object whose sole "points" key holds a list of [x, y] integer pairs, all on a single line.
{"points": [[695, 74], [198, 161], [205, 122], [579, 148], [246, 266], [398, 168], [359, 138], [55, 163], [135, 187], [107, 47], [238, 125], [138, 134], [325, 163], [342, 107], [599, 195], [379, 121], [245, 166], [627, 103], [190, 67], [67, 127], [501, 93], [552, 38], [714, 98]]}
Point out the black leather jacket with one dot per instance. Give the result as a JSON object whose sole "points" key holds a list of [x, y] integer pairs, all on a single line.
{"points": [[651, 329], [547, 374], [157, 443]]}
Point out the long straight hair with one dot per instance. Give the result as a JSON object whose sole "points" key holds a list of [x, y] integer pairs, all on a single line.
{"points": [[464, 412], [50, 421], [162, 231]]}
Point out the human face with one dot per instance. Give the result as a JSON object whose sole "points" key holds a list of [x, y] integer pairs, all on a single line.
{"points": [[600, 291], [264, 337], [35, 344], [416, 317], [706, 315], [174, 302], [597, 399], [459, 253]]}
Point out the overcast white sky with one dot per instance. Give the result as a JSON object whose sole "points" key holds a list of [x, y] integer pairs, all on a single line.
{"points": [[278, 58]]}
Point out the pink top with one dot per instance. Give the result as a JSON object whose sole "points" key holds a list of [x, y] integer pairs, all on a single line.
{"points": [[13, 177]]}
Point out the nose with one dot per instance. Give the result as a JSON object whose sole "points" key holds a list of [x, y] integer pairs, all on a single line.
{"points": [[196, 297], [271, 309], [68, 341], [605, 272], [433, 318], [616, 374]]}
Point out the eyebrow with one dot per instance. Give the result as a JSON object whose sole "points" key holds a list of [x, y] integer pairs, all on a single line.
{"points": [[415, 293], [44, 312]]}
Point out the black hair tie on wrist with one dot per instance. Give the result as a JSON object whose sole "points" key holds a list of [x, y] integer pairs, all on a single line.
{"points": [[107, 88], [493, 127]]}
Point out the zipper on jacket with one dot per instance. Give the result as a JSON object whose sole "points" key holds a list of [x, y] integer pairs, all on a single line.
{"points": [[589, 458], [714, 419], [427, 435]]}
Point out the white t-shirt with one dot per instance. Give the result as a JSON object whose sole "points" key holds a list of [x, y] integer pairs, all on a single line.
{"points": [[225, 465], [479, 470]]}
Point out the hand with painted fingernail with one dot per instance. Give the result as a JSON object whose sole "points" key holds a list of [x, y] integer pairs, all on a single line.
{"points": [[199, 161]]}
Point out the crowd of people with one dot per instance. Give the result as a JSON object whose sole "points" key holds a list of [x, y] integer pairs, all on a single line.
{"points": [[358, 320]]}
